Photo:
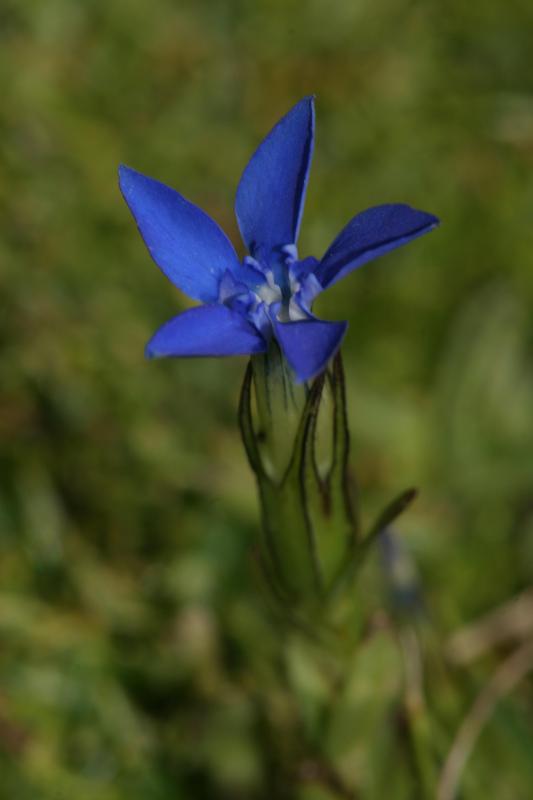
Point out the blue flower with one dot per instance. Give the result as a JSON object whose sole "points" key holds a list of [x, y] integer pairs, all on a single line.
{"points": [[271, 291]]}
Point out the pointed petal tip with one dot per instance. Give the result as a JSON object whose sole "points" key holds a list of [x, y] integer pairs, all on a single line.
{"points": [[149, 352], [308, 99], [128, 178], [124, 172], [432, 221]]}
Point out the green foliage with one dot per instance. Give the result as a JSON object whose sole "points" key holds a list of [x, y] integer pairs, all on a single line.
{"points": [[138, 659]]}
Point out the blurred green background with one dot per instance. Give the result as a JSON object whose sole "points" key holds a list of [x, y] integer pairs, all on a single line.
{"points": [[136, 658]]}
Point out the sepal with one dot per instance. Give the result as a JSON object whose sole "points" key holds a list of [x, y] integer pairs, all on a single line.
{"points": [[311, 546], [309, 527]]}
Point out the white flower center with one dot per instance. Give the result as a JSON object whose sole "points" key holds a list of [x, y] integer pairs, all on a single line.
{"points": [[270, 292]]}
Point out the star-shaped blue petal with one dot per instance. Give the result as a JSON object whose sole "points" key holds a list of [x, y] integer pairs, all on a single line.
{"points": [[271, 192], [210, 330], [270, 293], [371, 234], [309, 344]]}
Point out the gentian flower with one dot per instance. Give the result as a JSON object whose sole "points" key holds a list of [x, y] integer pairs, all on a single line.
{"points": [[271, 291]]}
